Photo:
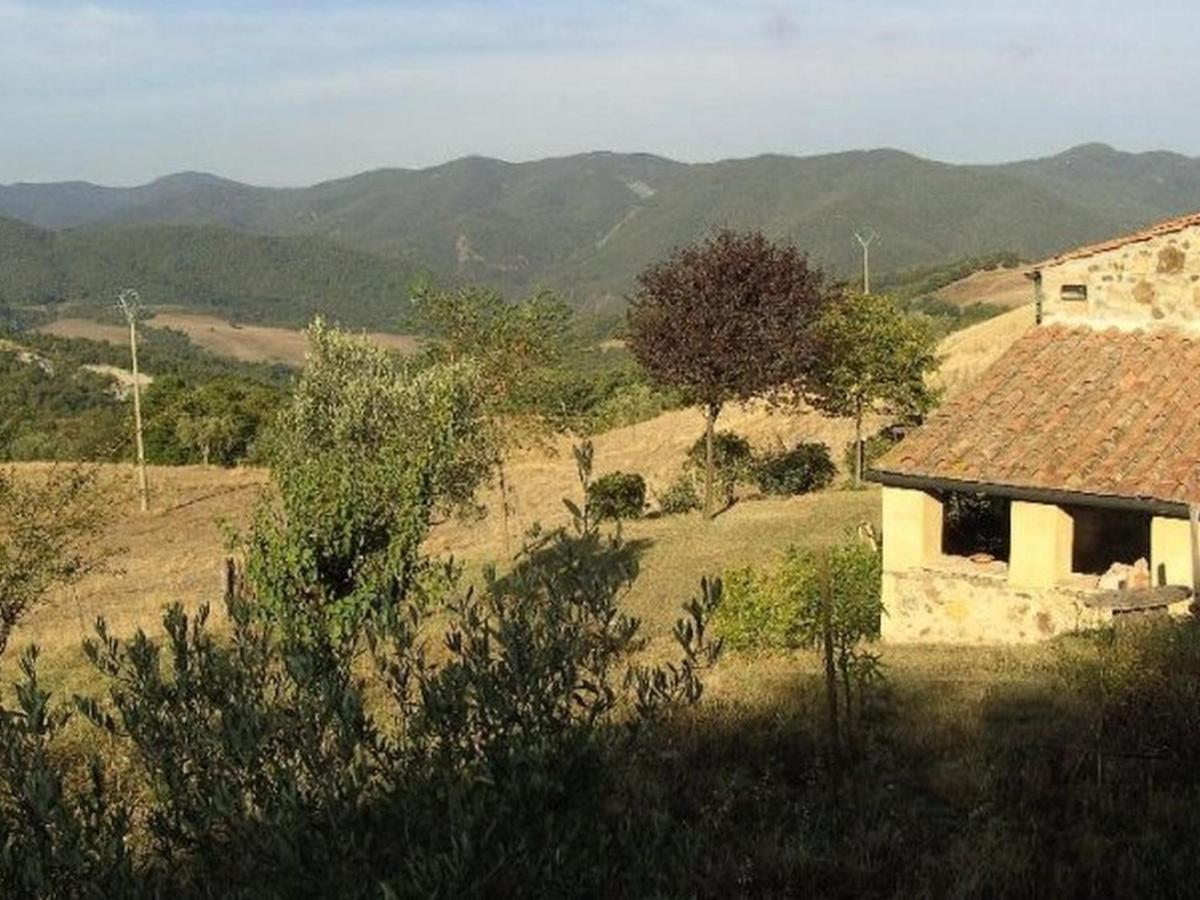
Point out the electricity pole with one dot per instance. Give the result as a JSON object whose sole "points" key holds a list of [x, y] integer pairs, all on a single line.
{"points": [[130, 304], [865, 236]]}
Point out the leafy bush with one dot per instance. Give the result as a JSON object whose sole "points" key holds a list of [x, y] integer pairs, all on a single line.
{"points": [[806, 467], [617, 495], [778, 608], [258, 767], [680, 496], [733, 460]]}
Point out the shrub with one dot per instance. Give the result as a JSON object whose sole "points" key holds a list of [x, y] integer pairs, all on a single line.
{"points": [[680, 496], [827, 600], [806, 467], [874, 446], [777, 608], [617, 495], [264, 764], [733, 460]]}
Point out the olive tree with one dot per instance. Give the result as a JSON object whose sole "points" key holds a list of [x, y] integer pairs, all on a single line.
{"points": [[515, 349], [368, 451], [874, 357], [49, 525], [725, 320]]}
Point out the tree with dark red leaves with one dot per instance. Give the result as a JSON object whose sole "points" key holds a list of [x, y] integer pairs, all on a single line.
{"points": [[725, 320]]}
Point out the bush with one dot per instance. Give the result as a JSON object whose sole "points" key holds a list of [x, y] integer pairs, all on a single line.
{"points": [[776, 608], [733, 460], [617, 495], [806, 467], [264, 763], [680, 497], [874, 446]]}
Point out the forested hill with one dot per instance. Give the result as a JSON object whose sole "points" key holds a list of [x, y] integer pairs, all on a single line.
{"points": [[586, 224], [251, 278]]}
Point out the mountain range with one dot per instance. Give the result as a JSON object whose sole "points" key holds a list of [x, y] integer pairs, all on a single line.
{"points": [[583, 225]]}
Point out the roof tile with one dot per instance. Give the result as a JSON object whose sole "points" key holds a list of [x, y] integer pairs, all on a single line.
{"points": [[1167, 226], [1109, 413]]}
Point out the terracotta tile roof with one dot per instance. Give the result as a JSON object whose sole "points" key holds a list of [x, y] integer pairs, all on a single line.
{"points": [[1108, 413], [1167, 226]]}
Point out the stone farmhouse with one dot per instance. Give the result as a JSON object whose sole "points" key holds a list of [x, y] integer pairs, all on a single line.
{"points": [[1061, 489]]}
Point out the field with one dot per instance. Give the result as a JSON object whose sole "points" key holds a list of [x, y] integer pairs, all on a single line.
{"points": [[965, 354], [248, 343], [175, 551], [960, 762], [999, 287]]}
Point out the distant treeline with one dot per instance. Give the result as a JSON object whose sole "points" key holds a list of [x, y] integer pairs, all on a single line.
{"points": [[203, 407], [200, 407], [271, 280]]}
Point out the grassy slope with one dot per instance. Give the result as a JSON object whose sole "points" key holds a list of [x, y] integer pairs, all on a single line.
{"points": [[175, 551], [248, 343]]}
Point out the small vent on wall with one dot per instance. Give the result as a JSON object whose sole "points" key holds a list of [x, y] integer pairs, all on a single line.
{"points": [[1074, 293]]}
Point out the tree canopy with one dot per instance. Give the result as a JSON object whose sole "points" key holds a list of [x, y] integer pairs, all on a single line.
{"points": [[873, 357], [727, 319]]}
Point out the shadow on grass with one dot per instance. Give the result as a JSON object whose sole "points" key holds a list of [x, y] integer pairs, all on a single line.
{"points": [[1025, 788]]}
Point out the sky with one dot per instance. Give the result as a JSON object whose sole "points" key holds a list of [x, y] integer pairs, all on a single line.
{"points": [[290, 93]]}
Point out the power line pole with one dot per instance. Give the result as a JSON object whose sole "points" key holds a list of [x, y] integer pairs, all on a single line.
{"points": [[865, 236], [130, 304]]}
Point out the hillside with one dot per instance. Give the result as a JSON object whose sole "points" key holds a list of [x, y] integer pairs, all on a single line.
{"points": [[205, 268], [587, 224], [1008, 288], [246, 343], [174, 553]]}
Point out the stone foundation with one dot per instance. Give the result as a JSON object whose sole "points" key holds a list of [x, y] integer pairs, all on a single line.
{"points": [[955, 602]]}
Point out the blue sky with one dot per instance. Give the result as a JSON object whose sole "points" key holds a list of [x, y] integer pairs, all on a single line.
{"points": [[291, 93]]}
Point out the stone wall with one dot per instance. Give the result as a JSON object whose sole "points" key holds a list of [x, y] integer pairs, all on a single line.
{"points": [[1156, 281], [949, 604]]}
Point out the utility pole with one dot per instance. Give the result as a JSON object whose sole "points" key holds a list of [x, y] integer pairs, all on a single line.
{"points": [[865, 236], [130, 304]]}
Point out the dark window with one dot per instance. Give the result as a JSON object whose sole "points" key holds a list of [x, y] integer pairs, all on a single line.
{"points": [[1074, 293], [1107, 536], [975, 523]]}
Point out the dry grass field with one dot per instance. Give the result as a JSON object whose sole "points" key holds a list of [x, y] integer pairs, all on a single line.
{"points": [[999, 287], [249, 343], [174, 552], [965, 354]]}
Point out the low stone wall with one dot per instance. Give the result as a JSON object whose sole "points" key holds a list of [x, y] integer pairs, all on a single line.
{"points": [[935, 604]]}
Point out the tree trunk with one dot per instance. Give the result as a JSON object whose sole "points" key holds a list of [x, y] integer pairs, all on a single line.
{"points": [[710, 421], [858, 445], [831, 681], [504, 506]]}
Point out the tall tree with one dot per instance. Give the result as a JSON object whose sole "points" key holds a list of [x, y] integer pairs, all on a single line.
{"points": [[515, 348], [728, 319], [874, 357]]}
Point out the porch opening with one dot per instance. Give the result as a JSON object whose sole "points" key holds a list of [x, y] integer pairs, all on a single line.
{"points": [[1103, 537], [975, 525]]}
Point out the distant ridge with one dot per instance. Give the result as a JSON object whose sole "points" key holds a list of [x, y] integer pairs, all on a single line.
{"points": [[586, 224]]}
